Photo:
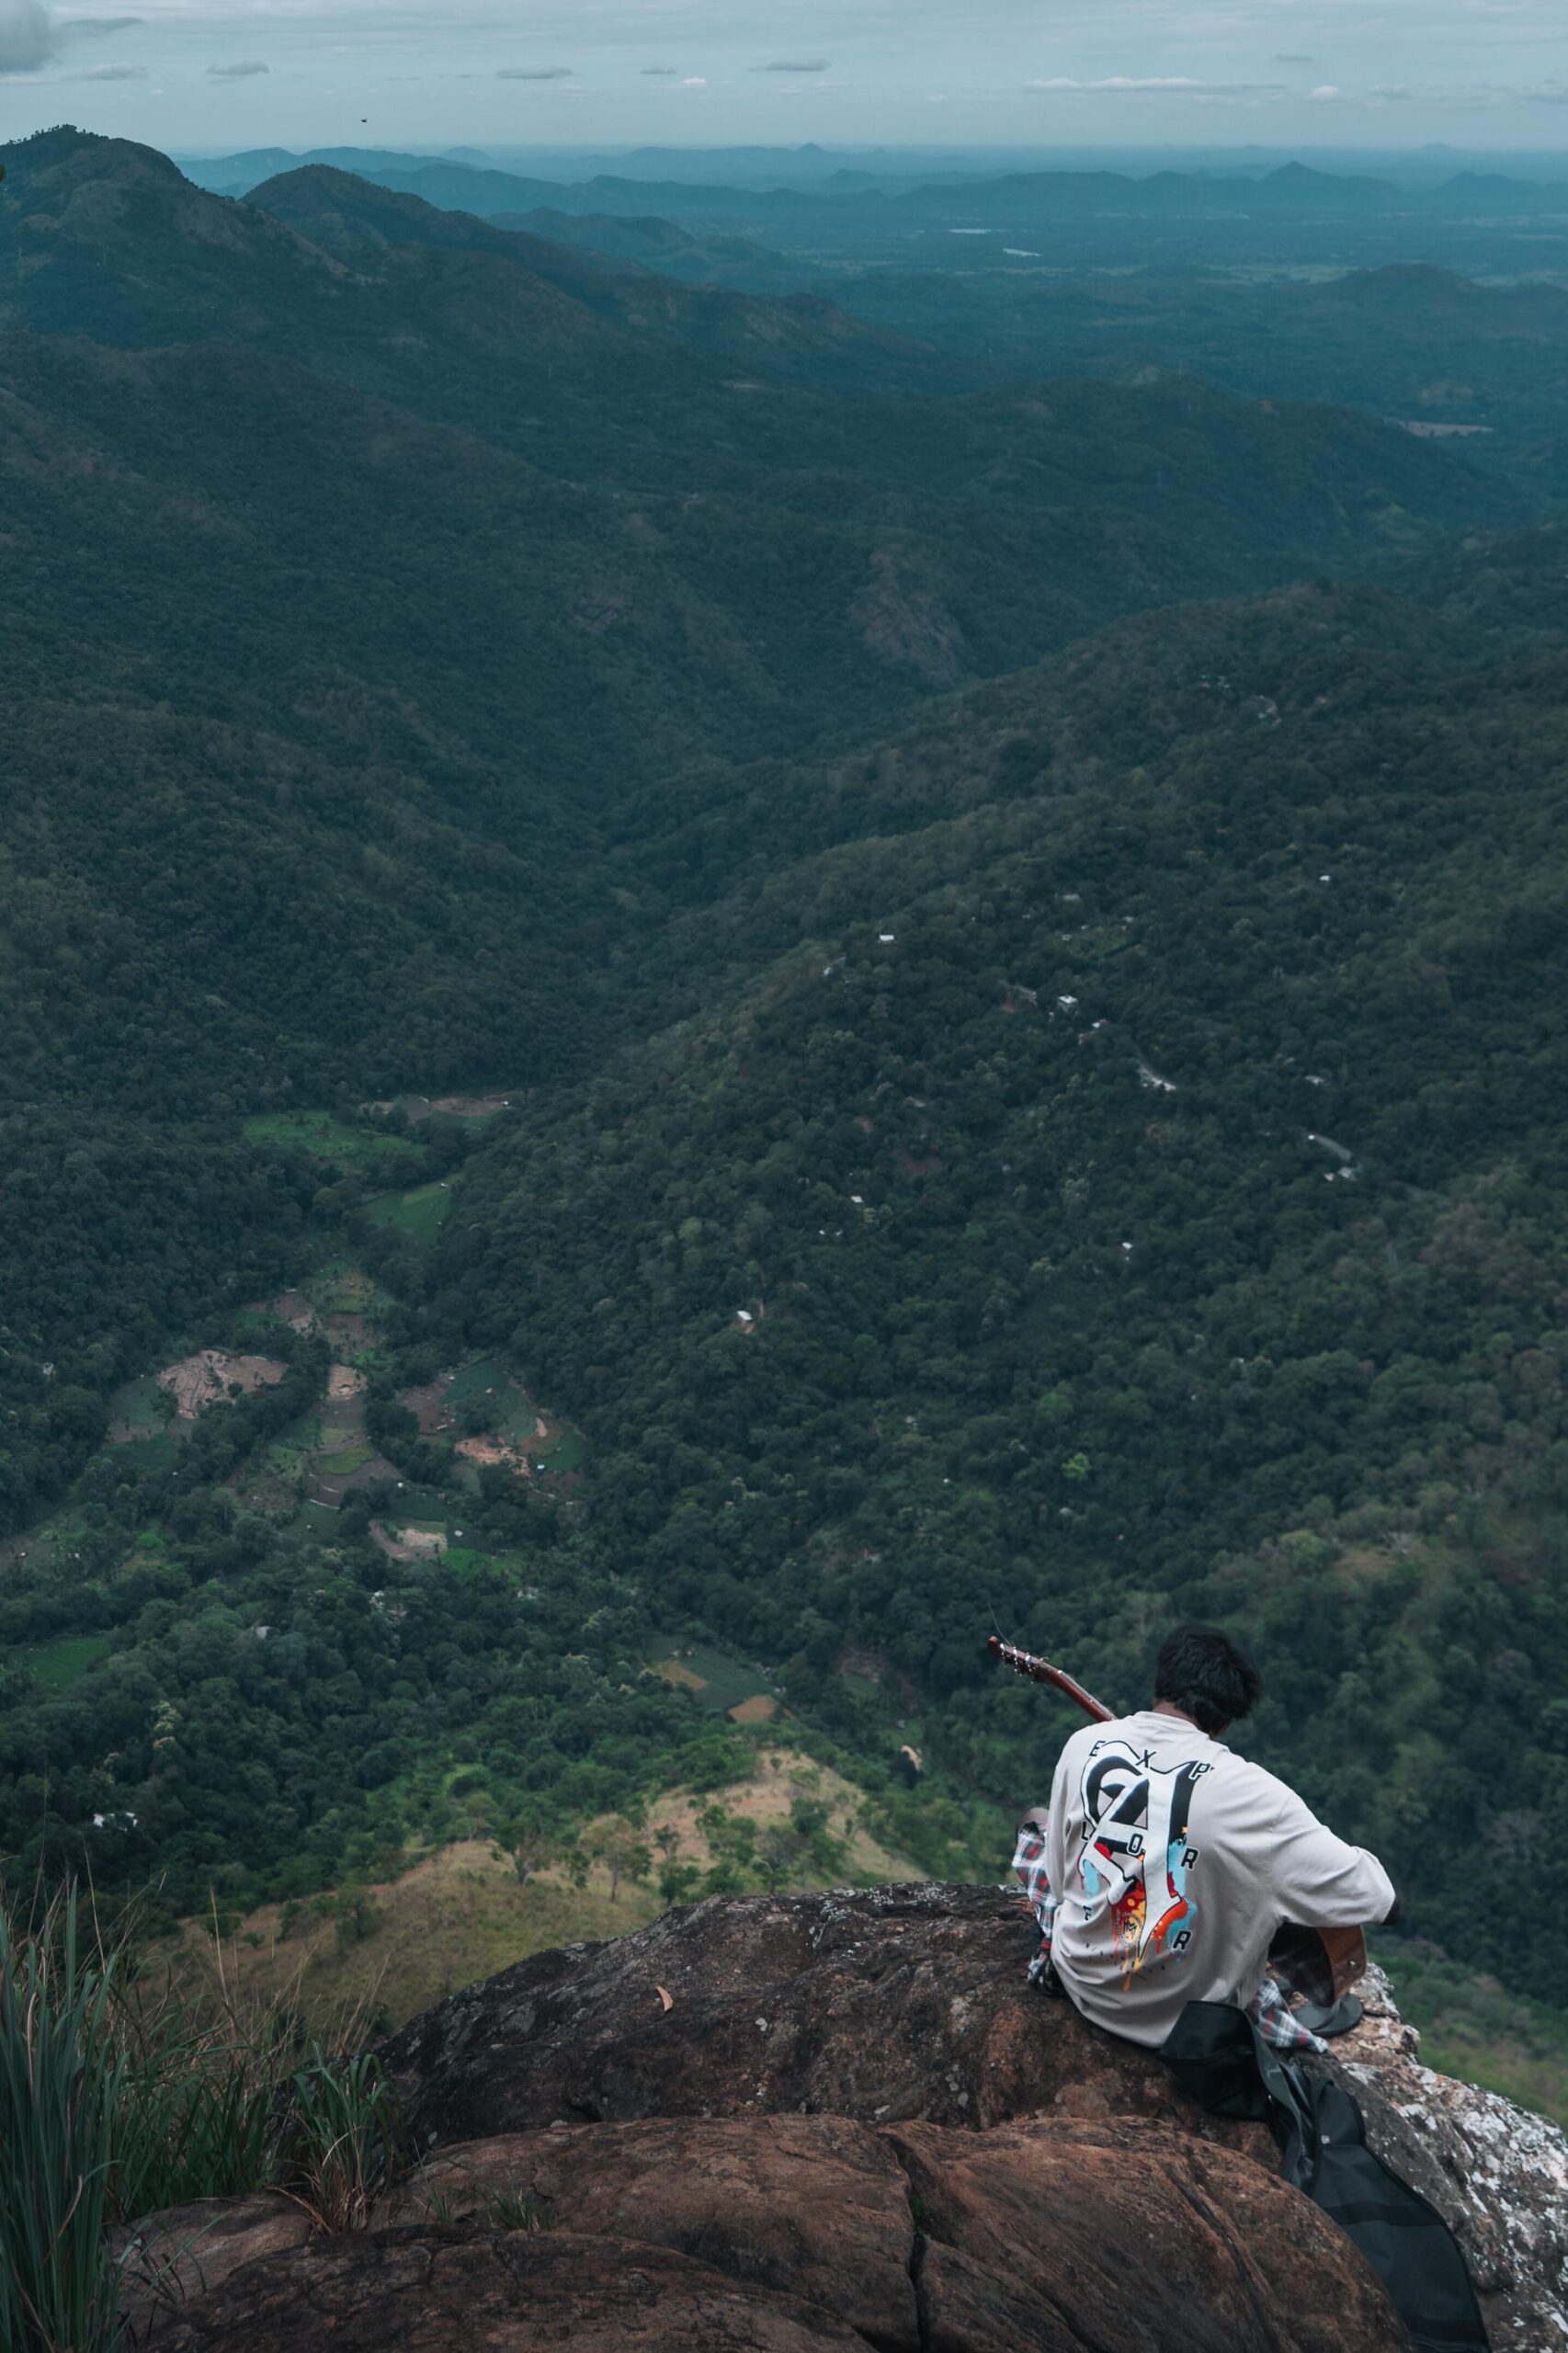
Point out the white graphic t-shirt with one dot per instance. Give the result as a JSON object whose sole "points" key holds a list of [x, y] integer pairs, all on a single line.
{"points": [[1175, 1862]]}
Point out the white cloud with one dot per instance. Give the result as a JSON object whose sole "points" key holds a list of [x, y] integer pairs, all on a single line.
{"points": [[1146, 86], [27, 35], [240, 71], [1186, 70], [1451, 94], [113, 73]]}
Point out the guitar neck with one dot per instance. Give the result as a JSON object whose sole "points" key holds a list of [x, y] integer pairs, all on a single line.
{"points": [[1039, 1670]]}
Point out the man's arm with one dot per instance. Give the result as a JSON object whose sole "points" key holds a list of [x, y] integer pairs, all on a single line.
{"points": [[1319, 1879]]}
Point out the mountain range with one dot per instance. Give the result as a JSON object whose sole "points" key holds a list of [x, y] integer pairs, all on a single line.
{"points": [[473, 184], [1023, 919], [1287, 282]]}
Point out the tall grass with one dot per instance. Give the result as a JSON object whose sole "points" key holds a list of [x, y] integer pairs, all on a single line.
{"points": [[341, 2135], [122, 2095], [62, 2084]]}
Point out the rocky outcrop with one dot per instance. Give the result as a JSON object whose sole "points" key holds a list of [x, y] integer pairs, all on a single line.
{"points": [[776, 2123], [816, 2206], [882, 2003], [1497, 2175], [791, 2233], [186, 2251], [1061, 2234], [440, 2289]]}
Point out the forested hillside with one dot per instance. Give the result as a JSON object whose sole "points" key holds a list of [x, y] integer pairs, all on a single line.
{"points": [[1137, 1194], [692, 996], [324, 714], [628, 383]]}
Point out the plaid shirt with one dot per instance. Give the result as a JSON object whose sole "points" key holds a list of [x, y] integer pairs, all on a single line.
{"points": [[1270, 2007]]}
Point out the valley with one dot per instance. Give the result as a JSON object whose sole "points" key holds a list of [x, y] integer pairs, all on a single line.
{"points": [[710, 969]]}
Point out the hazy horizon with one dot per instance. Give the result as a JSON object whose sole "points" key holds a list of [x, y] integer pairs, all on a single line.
{"points": [[214, 75]]}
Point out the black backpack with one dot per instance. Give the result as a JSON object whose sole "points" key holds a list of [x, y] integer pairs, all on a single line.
{"points": [[1222, 2060]]}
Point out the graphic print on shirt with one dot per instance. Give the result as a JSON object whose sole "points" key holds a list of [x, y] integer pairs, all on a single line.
{"points": [[1135, 1857]]}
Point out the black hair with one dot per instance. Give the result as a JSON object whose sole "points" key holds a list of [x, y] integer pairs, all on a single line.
{"points": [[1207, 1676]]}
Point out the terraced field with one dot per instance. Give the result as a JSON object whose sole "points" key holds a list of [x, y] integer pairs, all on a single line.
{"points": [[720, 1685], [60, 1663]]}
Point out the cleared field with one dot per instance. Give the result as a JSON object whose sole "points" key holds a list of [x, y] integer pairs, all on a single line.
{"points": [[718, 1684], [459, 1915], [54, 1543], [472, 1106], [420, 1214], [565, 1455], [402, 1542], [344, 1288], [783, 1776], [466, 1561], [488, 1104], [760, 1709], [63, 1662], [494, 1422], [326, 1138], [212, 1376], [140, 1409], [159, 1453], [479, 1377]]}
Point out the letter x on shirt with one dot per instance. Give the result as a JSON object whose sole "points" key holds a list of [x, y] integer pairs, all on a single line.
{"points": [[1167, 1865]]}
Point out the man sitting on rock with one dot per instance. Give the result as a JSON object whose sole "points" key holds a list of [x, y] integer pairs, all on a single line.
{"points": [[1163, 1865]]}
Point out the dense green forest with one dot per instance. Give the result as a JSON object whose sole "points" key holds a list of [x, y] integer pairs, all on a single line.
{"points": [[780, 1009], [1141, 1195], [1479, 364], [370, 846]]}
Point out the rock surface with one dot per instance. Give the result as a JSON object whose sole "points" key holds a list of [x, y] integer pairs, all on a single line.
{"points": [[444, 2290], [815, 2205], [845, 2121], [1069, 2233], [1044, 2236], [1497, 2175], [189, 2250], [880, 2004]]}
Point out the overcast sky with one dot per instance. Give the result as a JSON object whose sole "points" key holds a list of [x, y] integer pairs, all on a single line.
{"points": [[222, 73]]}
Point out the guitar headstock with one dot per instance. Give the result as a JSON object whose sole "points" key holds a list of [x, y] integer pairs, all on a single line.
{"points": [[1041, 1670], [1021, 1662]]}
